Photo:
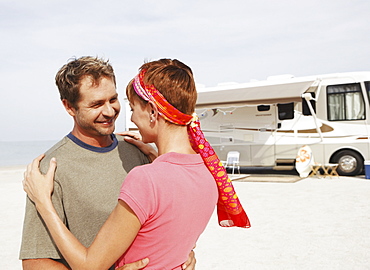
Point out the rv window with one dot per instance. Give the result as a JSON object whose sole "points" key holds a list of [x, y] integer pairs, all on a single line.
{"points": [[345, 102], [263, 108], [305, 108], [286, 110]]}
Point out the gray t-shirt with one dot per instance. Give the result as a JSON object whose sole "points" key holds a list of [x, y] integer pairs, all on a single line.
{"points": [[86, 188]]}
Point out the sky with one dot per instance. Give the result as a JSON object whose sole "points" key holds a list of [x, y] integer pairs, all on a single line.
{"points": [[221, 40]]}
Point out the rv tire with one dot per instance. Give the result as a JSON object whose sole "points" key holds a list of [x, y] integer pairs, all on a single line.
{"points": [[349, 163]]}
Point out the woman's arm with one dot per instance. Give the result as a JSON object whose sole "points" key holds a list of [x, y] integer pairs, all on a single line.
{"points": [[112, 241]]}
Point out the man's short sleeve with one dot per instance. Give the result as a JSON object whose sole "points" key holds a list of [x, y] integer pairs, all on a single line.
{"points": [[36, 241]]}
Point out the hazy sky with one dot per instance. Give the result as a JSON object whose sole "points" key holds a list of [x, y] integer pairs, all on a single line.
{"points": [[221, 40]]}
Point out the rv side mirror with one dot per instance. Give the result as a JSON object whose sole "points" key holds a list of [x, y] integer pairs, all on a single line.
{"points": [[286, 110], [305, 108]]}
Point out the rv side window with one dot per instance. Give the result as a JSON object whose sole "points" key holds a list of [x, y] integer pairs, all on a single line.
{"points": [[286, 110], [263, 108], [345, 102], [305, 108]]}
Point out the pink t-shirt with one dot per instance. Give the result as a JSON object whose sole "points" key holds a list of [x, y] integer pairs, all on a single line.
{"points": [[174, 198]]}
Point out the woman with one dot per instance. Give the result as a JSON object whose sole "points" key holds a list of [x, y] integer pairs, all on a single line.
{"points": [[163, 207]]}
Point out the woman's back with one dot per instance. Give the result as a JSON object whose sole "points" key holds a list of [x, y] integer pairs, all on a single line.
{"points": [[174, 198]]}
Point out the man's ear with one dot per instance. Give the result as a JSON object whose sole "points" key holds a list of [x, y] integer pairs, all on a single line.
{"points": [[69, 108]]}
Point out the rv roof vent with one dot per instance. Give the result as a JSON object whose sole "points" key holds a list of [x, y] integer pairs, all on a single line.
{"points": [[226, 83], [280, 77]]}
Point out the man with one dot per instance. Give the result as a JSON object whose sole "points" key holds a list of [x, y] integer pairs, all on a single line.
{"points": [[92, 163]]}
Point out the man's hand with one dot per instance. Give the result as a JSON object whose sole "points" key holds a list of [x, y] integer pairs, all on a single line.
{"points": [[190, 263], [135, 139], [135, 265]]}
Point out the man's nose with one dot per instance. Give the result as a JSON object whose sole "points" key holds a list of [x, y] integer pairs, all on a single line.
{"points": [[108, 110]]}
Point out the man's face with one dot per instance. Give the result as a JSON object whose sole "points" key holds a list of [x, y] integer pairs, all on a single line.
{"points": [[98, 108]]}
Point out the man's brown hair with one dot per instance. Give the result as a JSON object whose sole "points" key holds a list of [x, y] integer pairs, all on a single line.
{"points": [[69, 77]]}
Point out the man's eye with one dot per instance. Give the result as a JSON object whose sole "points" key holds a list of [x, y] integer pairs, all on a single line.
{"points": [[96, 105]]}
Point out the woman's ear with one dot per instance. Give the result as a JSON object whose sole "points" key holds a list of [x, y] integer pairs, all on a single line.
{"points": [[153, 111]]}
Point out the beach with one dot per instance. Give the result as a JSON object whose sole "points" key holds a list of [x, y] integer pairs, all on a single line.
{"points": [[313, 223], [12, 204]]}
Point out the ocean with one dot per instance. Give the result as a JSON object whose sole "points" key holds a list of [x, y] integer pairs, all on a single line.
{"points": [[14, 153]]}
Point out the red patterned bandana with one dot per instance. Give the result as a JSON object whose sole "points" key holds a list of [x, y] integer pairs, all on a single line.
{"points": [[229, 210], [169, 112]]}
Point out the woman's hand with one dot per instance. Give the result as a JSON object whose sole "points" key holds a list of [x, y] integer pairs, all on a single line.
{"points": [[39, 187], [135, 139]]}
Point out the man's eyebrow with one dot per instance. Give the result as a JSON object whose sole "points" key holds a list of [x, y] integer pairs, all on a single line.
{"points": [[98, 101]]}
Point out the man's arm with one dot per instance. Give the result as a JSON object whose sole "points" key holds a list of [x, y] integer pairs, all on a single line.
{"points": [[135, 265], [36, 242], [42, 264], [188, 265]]}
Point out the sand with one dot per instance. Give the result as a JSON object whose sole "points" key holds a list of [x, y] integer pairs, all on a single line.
{"points": [[296, 224], [12, 204]]}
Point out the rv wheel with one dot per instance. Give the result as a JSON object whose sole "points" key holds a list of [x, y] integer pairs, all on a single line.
{"points": [[349, 163]]}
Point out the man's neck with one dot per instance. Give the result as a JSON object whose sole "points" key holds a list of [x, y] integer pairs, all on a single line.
{"points": [[97, 141]]}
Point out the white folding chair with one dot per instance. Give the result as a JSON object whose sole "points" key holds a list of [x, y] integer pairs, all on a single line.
{"points": [[232, 161]]}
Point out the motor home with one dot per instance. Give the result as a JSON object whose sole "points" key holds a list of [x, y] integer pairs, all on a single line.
{"points": [[267, 122]]}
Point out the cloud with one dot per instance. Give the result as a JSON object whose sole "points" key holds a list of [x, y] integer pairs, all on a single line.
{"points": [[234, 40]]}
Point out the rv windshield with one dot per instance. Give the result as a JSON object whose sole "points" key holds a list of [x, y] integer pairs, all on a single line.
{"points": [[367, 85]]}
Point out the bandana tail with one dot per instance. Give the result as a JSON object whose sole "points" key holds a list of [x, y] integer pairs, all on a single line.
{"points": [[226, 219], [229, 210]]}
